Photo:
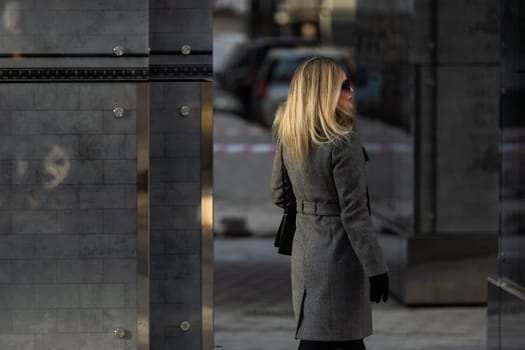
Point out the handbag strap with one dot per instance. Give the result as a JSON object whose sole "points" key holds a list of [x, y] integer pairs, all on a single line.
{"points": [[283, 175]]}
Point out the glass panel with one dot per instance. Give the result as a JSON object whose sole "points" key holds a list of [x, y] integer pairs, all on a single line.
{"points": [[513, 143]]}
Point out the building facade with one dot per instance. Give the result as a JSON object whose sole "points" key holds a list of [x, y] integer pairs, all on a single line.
{"points": [[105, 163]]}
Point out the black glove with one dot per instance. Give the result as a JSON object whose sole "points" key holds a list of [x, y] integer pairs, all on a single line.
{"points": [[379, 287]]}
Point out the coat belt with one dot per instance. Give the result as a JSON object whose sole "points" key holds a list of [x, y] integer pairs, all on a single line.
{"points": [[318, 208]]}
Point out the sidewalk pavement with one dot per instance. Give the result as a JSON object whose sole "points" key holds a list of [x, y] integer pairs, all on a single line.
{"points": [[253, 308]]}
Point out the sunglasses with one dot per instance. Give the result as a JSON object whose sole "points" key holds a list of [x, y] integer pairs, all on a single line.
{"points": [[346, 86]]}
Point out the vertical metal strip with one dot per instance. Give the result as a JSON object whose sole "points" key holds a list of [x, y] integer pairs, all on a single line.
{"points": [[207, 213], [143, 215]]}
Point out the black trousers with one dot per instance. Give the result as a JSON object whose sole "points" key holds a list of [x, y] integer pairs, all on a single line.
{"points": [[332, 345]]}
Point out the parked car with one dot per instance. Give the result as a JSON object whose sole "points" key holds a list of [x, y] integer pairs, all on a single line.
{"points": [[240, 71], [273, 80]]}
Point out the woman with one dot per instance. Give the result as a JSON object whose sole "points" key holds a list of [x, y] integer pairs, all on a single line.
{"points": [[337, 264]]}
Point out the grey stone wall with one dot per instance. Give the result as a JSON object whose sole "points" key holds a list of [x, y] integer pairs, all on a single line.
{"points": [[175, 216], [68, 217], [69, 253], [467, 126], [73, 26]]}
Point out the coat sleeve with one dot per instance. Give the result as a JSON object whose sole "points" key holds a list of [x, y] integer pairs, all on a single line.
{"points": [[276, 183], [348, 164]]}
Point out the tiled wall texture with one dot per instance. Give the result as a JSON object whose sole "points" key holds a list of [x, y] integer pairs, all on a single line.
{"points": [[68, 168], [175, 216], [74, 26], [67, 216]]}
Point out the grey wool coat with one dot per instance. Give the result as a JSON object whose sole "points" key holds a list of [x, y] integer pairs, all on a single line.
{"points": [[335, 249]]}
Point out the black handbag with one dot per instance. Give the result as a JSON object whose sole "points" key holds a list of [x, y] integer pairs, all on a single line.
{"points": [[286, 231]]}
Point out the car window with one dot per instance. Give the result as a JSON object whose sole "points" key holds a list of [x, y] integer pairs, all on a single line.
{"points": [[282, 69]]}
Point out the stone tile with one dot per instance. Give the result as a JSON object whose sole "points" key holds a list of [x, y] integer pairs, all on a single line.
{"points": [[57, 246], [125, 125], [157, 147], [183, 145], [56, 147], [80, 320], [157, 242], [120, 171], [5, 123], [131, 5], [120, 270], [79, 122], [101, 196], [17, 147], [170, 315], [108, 246], [5, 197], [131, 196], [182, 291], [29, 197], [85, 172], [101, 341], [131, 147], [167, 41], [125, 318], [35, 321], [56, 341], [164, 338], [101, 96], [34, 271], [13, 296], [6, 169], [35, 221], [180, 20], [183, 242], [5, 222], [130, 292], [79, 23], [102, 146], [102, 295], [6, 321], [5, 271], [17, 342], [169, 267], [180, 193], [175, 218], [175, 169], [169, 120], [157, 292], [126, 22], [28, 172], [34, 122], [80, 221], [57, 296], [12, 247], [63, 96], [182, 4], [16, 96], [120, 221], [80, 271]]}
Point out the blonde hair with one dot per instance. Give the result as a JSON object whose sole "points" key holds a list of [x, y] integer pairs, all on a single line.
{"points": [[310, 115]]}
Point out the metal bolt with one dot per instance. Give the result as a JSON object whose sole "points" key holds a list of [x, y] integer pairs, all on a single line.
{"points": [[185, 326], [185, 111], [185, 49], [118, 50], [118, 112], [119, 332]]}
